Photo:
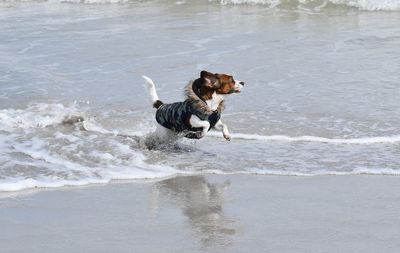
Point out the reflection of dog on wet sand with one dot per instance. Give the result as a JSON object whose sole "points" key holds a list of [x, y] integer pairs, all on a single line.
{"points": [[201, 204], [201, 110]]}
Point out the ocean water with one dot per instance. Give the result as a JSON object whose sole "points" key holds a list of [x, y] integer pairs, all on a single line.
{"points": [[321, 95]]}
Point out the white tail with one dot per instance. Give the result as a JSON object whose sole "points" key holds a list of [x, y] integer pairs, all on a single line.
{"points": [[152, 89]]}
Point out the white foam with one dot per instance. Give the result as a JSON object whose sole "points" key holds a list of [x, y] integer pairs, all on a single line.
{"points": [[29, 183], [34, 156], [127, 174], [38, 115], [370, 5], [365, 140], [311, 173], [41, 115], [166, 172], [300, 173], [105, 176], [87, 175]]}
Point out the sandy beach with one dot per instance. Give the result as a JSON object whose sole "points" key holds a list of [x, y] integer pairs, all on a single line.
{"points": [[211, 213]]}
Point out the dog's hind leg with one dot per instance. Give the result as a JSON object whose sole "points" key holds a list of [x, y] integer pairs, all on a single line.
{"points": [[160, 138], [166, 135]]}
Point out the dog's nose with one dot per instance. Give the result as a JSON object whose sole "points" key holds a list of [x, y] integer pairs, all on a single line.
{"points": [[241, 83]]}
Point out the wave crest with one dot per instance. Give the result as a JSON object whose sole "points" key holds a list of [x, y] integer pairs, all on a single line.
{"points": [[39, 116], [370, 5], [311, 5], [364, 140]]}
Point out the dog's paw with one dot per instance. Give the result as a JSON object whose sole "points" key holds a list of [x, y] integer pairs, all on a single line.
{"points": [[200, 135], [194, 135], [227, 137]]}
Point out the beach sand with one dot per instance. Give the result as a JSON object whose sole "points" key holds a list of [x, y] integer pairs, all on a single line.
{"points": [[213, 213]]}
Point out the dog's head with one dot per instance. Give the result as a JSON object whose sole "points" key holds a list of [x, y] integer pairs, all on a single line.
{"points": [[220, 83]]}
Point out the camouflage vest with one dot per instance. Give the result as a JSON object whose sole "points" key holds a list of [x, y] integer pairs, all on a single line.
{"points": [[176, 116]]}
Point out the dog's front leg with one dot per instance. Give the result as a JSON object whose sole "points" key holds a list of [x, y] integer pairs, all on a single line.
{"points": [[197, 122], [224, 128]]}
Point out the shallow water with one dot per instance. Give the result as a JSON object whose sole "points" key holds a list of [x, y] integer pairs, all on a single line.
{"points": [[321, 94]]}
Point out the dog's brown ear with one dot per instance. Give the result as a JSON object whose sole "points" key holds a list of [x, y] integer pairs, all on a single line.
{"points": [[210, 79]]}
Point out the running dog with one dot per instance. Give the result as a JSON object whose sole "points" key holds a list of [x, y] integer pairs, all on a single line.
{"points": [[201, 110]]}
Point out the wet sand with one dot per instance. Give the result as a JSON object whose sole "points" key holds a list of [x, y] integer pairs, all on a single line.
{"points": [[207, 214]]}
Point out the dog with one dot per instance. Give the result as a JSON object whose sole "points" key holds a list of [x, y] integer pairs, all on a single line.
{"points": [[200, 112]]}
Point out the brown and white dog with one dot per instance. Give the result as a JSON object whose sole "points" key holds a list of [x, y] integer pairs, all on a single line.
{"points": [[201, 110]]}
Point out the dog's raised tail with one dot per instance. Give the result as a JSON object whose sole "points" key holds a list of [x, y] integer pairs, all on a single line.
{"points": [[153, 93]]}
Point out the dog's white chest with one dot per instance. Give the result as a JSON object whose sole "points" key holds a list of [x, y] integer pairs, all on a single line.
{"points": [[215, 100]]}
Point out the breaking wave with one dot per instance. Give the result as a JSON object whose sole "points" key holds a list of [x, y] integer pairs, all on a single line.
{"points": [[316, 5], [370, 5], [56, 145], [360, 141], [53, 145]]}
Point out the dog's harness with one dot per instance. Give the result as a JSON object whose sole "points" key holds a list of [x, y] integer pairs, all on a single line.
{"points": [[176, 116]]}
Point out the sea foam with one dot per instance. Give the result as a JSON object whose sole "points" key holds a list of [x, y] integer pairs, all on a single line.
{"points": [[370, 5], [56, 145], [364, 140], [38, 115]]}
